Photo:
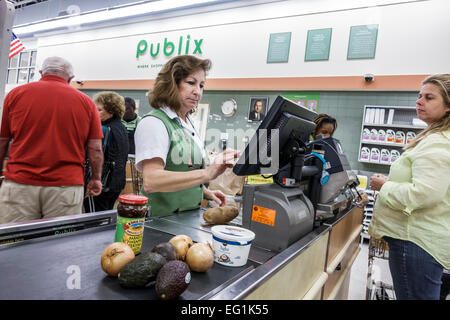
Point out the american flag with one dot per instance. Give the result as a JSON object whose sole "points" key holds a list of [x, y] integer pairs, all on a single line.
{"points": [[16, 46]]}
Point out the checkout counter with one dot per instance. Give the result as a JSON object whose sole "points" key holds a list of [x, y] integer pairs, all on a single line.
{"points": [[39, 258]]}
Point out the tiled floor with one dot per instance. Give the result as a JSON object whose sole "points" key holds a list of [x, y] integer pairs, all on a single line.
{"points": [[358, 276]]}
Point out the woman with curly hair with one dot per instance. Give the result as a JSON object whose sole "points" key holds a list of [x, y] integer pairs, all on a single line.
{"points": [[326, 125], [111, 107]]}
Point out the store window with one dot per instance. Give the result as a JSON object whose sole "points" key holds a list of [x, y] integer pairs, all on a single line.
{"points": [[21, 67]]}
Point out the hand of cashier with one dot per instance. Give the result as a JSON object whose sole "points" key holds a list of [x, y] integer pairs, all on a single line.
{"points": [[218, 166]]}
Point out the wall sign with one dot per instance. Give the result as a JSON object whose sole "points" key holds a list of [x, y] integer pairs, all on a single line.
{"points": [[279, 44], [170, 46], [318, 44], [307, 100], [362, 42]]}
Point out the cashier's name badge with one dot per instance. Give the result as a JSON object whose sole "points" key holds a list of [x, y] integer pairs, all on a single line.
{"points": [[264, 215]]}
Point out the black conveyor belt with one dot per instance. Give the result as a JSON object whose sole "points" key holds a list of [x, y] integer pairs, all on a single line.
{"points": [[43, 268]]}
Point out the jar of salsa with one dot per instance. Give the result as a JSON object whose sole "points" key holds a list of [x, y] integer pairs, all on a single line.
{"points": [[131, 212]]}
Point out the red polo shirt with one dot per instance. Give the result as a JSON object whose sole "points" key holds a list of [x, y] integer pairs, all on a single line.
{"points": [[50, 123]]}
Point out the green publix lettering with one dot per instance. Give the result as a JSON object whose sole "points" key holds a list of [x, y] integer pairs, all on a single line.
{"points": [[169, 47]]}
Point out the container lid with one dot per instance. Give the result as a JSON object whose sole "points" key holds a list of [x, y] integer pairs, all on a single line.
{"points": [[226, 232], [133, 199]]}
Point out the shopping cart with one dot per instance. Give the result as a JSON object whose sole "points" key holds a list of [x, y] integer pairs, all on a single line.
{"points": [[136, 176], [377, 289]]}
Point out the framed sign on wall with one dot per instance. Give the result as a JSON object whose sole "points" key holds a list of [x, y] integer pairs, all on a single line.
{"points": [[362, 42], [279, 45], [257, 109], [318, 44]]}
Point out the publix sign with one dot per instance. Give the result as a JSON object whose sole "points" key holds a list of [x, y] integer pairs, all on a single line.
{"points": [[168, 47]]}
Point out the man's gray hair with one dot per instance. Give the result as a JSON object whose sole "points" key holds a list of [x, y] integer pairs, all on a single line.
{"points": [[57, 66]]}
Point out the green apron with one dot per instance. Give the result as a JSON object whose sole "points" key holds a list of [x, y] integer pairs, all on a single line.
{"points": [[184, 155]]}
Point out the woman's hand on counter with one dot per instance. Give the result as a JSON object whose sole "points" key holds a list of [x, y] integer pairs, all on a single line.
{"points": [[216, 195]]}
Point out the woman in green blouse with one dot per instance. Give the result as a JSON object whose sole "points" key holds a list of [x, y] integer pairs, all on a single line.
{"points": [[412, 212]]}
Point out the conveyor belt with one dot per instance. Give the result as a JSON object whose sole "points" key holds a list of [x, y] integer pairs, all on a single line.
{"points": [[192, 224], [42, 268], [38, 269]]}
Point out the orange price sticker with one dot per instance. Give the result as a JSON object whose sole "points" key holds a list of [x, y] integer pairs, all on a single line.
{"points": [[264, 215]]}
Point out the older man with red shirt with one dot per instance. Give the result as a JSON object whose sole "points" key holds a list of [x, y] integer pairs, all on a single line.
{"points": [[50, 123]]}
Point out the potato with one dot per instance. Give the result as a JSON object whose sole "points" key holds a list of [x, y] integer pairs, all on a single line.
{"points": [[220, 215]]}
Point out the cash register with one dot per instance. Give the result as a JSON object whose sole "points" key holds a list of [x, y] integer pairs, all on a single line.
{"points": [[307, 176]]}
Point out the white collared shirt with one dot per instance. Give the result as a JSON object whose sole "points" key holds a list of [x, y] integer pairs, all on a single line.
{"points": [[152, 138]]}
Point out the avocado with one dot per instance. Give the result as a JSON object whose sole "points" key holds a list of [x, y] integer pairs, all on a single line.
{"points": [[173, 278], [141, 270], [167, 250]]}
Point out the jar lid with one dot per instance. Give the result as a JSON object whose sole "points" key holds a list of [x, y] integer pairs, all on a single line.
{"points": [[133, 199]]}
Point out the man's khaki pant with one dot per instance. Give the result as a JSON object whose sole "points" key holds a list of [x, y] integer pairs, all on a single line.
{"points": [[21, 202]]}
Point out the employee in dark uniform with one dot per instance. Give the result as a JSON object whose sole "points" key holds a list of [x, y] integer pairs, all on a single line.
{"points": [[326, 125], [111, 107], [169, 152], [130, 120]]}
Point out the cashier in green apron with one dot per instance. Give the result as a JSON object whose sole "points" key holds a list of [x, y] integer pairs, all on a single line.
{"points": [[169, 151]]}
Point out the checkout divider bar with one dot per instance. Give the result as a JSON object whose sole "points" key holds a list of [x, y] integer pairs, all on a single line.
{"points": [[12, 234]]}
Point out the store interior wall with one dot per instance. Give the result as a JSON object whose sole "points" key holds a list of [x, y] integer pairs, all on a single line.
{"points": [[236, 41], [58, 8], [236, 38], [346, 107]]}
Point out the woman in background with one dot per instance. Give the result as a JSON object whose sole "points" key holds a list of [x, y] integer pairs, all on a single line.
{"points": [[412, 212], [111, 107]]}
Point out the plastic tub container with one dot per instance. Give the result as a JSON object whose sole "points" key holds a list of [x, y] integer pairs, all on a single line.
{"points": [[231, 245]]}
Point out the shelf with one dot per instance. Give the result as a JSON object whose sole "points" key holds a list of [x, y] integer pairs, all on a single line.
{"points": [[392, 107], [383, 143], [366, 161], [404, 126], [376, 118]]}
